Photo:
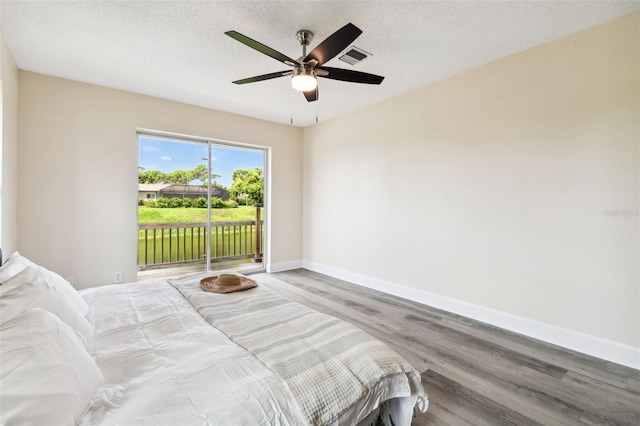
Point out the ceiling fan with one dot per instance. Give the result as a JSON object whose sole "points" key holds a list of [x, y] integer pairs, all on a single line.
{"points": [[307, 67]]}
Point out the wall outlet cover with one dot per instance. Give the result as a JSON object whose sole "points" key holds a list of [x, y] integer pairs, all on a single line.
{"points": [[118, 277]]}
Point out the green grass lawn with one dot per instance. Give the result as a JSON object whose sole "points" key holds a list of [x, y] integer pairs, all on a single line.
{"points": [[180, 215]]}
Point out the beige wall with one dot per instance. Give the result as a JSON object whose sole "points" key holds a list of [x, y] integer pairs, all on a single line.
{"points": [[492, 187], [8, 151], [78, 173]]}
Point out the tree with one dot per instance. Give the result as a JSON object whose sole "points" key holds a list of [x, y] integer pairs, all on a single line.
{"points": [[248, 183], [151, 176], [200, 173], [179, 177]]}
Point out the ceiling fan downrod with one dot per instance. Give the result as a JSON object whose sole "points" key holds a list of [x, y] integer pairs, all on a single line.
{"points": [[304, 37]]}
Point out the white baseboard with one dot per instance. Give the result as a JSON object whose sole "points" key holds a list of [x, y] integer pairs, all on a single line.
{"points": [[587, 344], [284, 266]]}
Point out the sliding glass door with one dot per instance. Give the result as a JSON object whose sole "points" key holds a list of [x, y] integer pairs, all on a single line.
{"points": [[200, 205]]}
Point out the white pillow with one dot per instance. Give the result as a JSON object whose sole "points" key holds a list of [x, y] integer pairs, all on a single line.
{"points": [[37, 289], [47, 376], [14, 264], [62, 285]]}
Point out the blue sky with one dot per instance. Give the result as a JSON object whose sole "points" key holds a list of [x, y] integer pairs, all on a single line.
{"points": [[168, 156]]}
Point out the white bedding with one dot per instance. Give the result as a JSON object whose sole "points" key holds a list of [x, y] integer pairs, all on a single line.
{"points": [[163, 363]]}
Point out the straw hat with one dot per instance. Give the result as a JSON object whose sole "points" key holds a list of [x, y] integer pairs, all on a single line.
{"points": [[227, 283]]}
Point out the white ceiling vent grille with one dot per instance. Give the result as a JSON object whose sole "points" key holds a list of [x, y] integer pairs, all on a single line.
{"points": [[354, 55]]}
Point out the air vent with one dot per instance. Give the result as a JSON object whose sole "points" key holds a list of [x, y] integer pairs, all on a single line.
{"points": [[354, 56]]}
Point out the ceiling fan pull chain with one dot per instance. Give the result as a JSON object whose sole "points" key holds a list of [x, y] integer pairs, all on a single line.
{"points": [[291, 105]]}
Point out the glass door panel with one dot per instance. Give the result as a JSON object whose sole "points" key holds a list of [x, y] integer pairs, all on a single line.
{"points": [[200, 206]]}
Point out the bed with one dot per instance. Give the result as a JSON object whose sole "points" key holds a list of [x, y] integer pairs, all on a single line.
{"points": [[166, 353]]}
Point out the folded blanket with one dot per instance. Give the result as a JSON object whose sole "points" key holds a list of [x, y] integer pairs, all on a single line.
{"points": [[327, 364]]}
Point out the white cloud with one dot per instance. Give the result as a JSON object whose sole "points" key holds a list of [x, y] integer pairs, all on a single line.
{"points": [[150, 148], [166, 158]]}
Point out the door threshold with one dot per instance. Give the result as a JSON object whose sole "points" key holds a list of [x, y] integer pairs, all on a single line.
{"points": [[179, 272]]}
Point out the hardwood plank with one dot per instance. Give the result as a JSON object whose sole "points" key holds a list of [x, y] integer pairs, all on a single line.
{"points": [[472, 408], [495, 349], [476, 373], [632, 384]]}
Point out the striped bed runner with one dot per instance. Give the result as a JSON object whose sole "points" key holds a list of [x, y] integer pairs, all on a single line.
{"points": [[326, 363]]}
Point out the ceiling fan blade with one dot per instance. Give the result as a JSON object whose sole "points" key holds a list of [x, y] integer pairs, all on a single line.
{"points": [[334, 44], [311, 95], [351, 76], [263, 77], [259, 47]]}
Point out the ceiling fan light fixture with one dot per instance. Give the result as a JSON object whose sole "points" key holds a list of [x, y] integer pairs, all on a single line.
{"points": [[304, 79]]}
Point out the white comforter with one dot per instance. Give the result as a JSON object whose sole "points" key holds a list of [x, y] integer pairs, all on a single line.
{"points": [[163, 363]]}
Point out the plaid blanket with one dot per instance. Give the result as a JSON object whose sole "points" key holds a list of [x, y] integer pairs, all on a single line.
{"points": [[326, 363]]}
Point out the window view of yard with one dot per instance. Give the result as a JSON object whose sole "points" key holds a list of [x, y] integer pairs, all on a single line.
{"points": [[172, 207]]}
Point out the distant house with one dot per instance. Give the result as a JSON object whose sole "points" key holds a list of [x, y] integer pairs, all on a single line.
{"points": [[157, 190], [149, 191]]}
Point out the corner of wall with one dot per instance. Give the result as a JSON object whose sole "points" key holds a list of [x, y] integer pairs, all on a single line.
{"points": [[9, 150]]}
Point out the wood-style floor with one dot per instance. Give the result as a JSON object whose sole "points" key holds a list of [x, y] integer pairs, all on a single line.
{"points": [[474, 373]]}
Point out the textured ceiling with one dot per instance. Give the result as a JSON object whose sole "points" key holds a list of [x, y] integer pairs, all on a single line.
{"points": [[177, 49]]}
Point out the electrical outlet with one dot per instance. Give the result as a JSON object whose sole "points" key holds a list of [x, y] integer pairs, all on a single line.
{"points": [[118, 277]]}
